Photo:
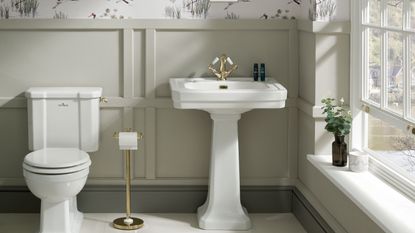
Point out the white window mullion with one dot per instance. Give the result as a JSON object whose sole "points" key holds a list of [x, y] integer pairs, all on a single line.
{"points": [[407, 81], [364, 48], [406, 15], [383, 56], [365, 60], [365, 12], [383, 13], [384, 77], [406, 60]]}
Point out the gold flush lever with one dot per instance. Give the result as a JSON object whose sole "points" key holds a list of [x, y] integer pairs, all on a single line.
{"points": [[103, 100]]}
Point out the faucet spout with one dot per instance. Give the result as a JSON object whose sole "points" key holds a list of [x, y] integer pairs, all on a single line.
{"points": [[223, 73]]}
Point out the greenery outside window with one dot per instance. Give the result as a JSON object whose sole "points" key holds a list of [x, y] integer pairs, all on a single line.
{"points": [[386, 31]]}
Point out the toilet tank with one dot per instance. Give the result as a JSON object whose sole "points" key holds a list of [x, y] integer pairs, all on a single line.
{"points": [[63, 117]]}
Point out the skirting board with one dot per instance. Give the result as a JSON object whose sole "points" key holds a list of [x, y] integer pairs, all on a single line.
{"points": [[307, 215], [173, 199]]}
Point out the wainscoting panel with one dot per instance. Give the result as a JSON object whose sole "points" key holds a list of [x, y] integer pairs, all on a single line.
{"points": [[183, 143], [188, 53], [263, 144], [107, 162], [139, 156], [138, 62], [133, 60], [59, 57], [14, 144]]}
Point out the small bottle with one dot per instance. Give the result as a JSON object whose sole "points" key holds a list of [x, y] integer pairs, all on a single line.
{"points": [[256, 72], [262, 72]]}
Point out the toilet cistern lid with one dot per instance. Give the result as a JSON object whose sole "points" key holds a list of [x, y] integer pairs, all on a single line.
{"points": [[56, 157], [64, 92]]}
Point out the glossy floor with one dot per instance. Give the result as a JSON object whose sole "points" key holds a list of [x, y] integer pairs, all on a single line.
{"points": [[155, 223]]}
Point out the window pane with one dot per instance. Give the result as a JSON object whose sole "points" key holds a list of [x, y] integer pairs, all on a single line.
{"points": [[392, 145], [394, 72], [412, 14], [374, 68], [394, 9], [374, 12]]}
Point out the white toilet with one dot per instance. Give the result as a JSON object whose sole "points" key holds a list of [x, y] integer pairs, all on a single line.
{"points": [[63, 126]]}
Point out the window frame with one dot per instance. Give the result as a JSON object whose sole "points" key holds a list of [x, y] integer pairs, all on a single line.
{"points": [[361, 106]]}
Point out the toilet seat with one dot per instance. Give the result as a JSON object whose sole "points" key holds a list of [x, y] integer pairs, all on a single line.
{"points": [[56, 161], [56, 171]]}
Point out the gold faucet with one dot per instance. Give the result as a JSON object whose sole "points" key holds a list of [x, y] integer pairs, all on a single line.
{"points": [[222, 74]]}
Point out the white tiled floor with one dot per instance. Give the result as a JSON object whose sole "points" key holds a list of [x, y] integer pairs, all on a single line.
{"points": [[155, 223]]}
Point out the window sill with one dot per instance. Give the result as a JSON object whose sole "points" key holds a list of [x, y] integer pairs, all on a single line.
{"points": [[387, 207]]}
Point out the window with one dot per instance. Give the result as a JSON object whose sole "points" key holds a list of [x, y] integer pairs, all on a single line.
{"points": [[391, 146], [385, 36]]}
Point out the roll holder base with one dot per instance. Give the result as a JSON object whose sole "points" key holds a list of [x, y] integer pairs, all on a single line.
{"points": [[120, 223]]}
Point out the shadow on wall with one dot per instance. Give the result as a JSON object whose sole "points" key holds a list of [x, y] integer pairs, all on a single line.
{"points": [[13, 138], [332, 78]]}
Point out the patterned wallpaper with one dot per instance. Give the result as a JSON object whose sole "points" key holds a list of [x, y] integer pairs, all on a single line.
{"points": [[155, 9]]}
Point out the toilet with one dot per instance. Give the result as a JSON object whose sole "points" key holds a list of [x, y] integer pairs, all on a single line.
{"points": [[63, 127]]}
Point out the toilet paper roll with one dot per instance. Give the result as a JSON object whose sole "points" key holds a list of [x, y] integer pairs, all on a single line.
{"points": [[127, 140]]}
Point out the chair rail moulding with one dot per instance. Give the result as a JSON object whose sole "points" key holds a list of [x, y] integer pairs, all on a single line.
{"points": [[158, 24]]}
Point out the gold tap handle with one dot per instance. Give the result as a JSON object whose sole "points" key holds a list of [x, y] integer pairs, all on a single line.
{"points": [[214, 71], [233, 68]]}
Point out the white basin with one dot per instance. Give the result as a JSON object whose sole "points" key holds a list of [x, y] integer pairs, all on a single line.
{"points": [[225, 101], [204, 93]]}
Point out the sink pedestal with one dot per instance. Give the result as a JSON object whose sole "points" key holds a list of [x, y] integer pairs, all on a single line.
{"points": [[222, 209], [225, 101]]}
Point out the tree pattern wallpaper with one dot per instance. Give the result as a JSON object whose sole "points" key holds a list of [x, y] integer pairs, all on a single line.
{"points": [[153, 9]]}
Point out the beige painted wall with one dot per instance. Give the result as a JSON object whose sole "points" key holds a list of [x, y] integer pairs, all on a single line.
{"points": [[133, 60], [324, 72]]}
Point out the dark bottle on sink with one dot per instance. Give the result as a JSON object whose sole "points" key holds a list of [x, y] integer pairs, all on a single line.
{"points": [[256, 73], [262, 72]]}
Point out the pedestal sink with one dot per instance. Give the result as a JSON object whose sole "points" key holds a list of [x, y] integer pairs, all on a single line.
{"points": [[225, 101]]}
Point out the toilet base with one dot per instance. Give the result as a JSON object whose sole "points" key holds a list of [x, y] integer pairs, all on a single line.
{"points": [[60, 217]]}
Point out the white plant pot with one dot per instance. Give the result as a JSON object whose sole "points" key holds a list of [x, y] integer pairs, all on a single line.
{"points": [[358, 161]]}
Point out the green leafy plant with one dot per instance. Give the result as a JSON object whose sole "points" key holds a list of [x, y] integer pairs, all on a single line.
{"points": [[338, 118]]}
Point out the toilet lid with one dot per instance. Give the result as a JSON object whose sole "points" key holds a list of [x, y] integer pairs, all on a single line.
{"points": [[54, 158]]}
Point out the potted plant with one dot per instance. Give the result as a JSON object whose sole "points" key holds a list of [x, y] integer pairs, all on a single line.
{"points": [[339, 122]]}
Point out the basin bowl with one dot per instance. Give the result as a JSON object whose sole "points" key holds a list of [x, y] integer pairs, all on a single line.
{"points": [[234, 93]]}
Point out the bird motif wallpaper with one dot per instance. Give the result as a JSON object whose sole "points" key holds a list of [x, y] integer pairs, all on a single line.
{"points": [[152, 9]]}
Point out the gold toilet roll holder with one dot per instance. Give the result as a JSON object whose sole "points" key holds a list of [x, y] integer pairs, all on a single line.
{"points": [[128, 222]]}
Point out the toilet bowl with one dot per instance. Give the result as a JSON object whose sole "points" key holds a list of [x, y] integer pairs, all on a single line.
{"points": [[63, 125], [56, 176]]}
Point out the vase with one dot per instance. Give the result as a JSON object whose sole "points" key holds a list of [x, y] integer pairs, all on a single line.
{"points": [[339, 151]]}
